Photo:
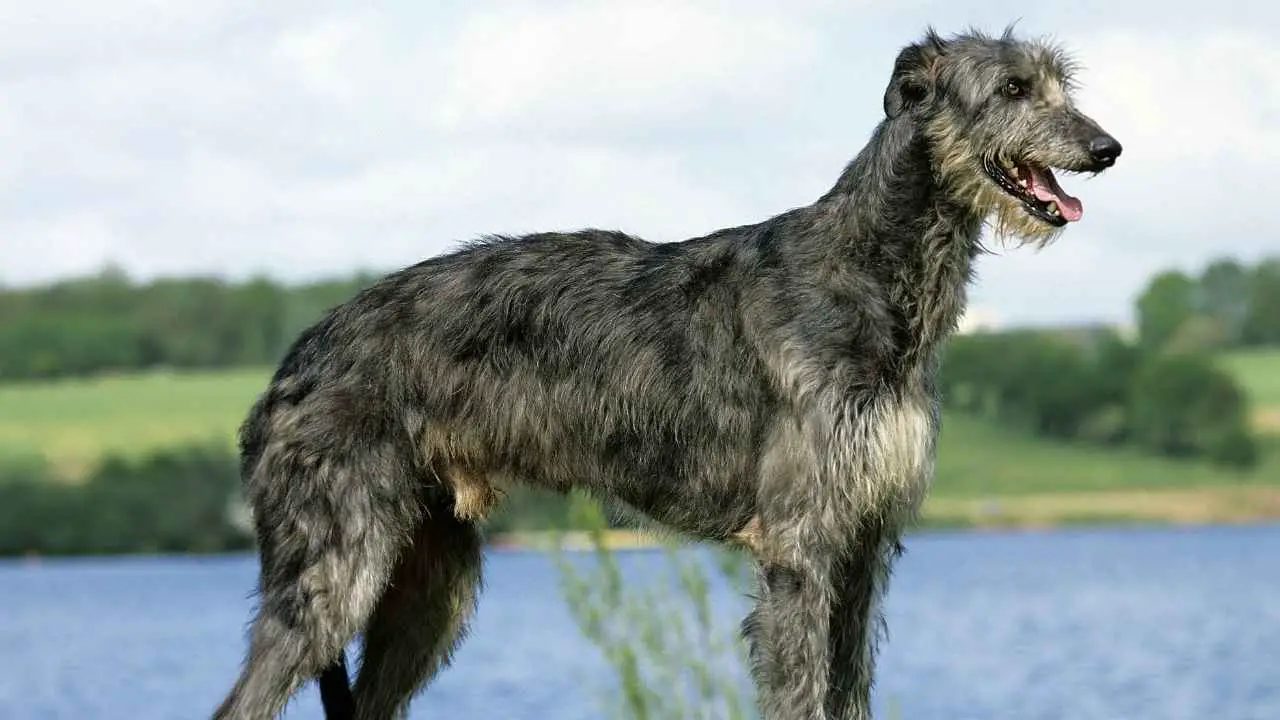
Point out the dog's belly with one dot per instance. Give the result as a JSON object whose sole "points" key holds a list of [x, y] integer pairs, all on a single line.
{"points": [[707, 492], [720, 522]]}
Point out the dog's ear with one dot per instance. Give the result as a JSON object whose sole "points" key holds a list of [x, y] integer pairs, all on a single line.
{"points": [[914, 75]]}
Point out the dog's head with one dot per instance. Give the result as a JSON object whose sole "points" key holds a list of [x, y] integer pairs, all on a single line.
{"points": [[999, 119]]}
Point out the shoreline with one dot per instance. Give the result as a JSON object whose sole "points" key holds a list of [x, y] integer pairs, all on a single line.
{"points": [[1183, 507], [1190, 507]]}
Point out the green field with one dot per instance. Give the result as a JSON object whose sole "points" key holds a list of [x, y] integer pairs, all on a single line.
{"points": [[976, 458], [73, 423], [1258, 371]]}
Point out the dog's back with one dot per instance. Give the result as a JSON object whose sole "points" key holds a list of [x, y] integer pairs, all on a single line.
{"points": [[585, 359]]}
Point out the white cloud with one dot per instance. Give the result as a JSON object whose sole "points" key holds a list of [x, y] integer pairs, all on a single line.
{"points": [[321, 55], [73, 243], [611, 62], [1202, 99], [311, 138]]}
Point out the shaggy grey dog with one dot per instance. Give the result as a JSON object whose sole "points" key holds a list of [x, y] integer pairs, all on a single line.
{"points": [[770, 385]]}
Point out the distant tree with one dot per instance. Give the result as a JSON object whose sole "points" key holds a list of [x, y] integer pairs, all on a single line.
{"points": [[1115, 362], [964, 379], [259, 309], [1223, 294], [175, 500], [106, 322], [1201, 333], [1183, 405], [1168, 301], [1058, 388], [1261, 323]]}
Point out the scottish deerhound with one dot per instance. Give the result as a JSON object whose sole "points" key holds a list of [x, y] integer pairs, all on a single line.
{"points": [[769, 384]]}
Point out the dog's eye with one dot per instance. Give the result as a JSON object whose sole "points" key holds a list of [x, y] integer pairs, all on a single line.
{"points": [[1014, 88]]}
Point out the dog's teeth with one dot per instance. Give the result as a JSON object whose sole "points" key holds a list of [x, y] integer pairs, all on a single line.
{"points": [[1053, 208], [1013, 170]]}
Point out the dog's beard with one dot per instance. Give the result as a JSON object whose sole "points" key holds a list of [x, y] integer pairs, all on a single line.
{"points": [[1010, 222], [1011, 225]]}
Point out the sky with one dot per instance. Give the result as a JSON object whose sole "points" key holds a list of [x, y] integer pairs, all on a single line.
{"points": [[312, 139]]}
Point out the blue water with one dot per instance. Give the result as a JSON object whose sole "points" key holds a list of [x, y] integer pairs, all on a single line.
{"points": [[1125, 625]]}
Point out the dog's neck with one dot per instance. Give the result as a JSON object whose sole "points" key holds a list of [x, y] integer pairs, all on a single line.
{"points": [[892, 220]]}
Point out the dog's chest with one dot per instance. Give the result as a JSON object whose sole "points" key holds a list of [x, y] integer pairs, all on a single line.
{"points": [[889, 451], [900, 436]]}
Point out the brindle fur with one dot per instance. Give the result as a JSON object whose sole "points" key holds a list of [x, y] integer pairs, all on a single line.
{"points": [[769, 385]]}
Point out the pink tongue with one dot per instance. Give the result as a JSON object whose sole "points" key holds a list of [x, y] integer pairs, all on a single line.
{"points": [[1045, 187]]}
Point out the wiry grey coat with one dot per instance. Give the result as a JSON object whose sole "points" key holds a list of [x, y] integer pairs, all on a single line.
{"points": [[769, 384]]}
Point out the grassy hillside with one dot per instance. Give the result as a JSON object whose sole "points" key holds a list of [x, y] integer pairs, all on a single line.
{"points": [[1259, 372], [72, 423], [976, 458]]}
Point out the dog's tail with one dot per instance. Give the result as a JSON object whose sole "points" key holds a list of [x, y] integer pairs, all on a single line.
{"points": [[335, 691]]}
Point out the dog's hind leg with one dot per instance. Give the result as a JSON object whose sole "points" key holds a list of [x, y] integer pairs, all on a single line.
{"points": [[329, 533], [422, 617]]}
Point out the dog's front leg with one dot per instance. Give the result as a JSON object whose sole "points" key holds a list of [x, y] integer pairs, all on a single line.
{"points": [[788, 637], [797, 540]]}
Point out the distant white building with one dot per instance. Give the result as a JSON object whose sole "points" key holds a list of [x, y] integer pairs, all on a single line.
{"points": [[1128, 331], [978, 319]]}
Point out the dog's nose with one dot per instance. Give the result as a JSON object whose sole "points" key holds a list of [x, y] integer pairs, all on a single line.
{"points": [[1104, 149]]}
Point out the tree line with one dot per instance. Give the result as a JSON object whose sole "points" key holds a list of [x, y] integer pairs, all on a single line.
{"points": [[1102, 390], [110, 323], [1160, 391], [183, 499], [1228, 304], [178, 500]]}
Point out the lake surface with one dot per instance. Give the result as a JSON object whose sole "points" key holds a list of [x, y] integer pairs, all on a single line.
{"points": [[1120, 624]]}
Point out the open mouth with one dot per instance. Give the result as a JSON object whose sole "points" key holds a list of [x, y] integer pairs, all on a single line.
{"points": [[1038, 190]]}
